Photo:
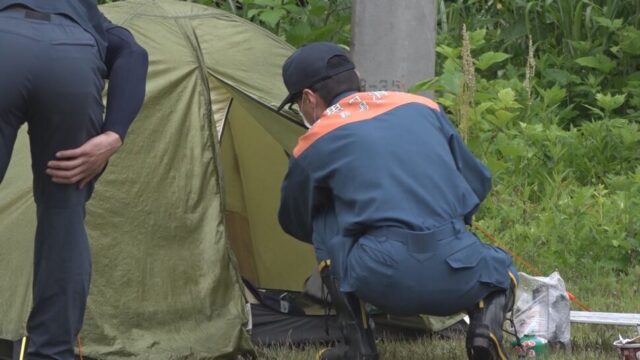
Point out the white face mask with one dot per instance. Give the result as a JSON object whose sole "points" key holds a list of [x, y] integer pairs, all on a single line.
{"points": [[306, 122]]}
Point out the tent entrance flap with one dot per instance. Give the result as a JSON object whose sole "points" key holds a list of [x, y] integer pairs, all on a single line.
{"points": [[254, 164]]}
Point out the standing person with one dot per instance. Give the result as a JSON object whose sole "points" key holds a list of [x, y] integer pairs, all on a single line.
{"points": [[383, 187], [54, 56]]}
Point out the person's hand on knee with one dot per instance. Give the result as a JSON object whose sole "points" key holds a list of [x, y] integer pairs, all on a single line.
{"points": [[82, 164]]}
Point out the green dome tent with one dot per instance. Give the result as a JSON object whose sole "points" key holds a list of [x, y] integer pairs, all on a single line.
{"points": [[165, 280], [187, 205]]}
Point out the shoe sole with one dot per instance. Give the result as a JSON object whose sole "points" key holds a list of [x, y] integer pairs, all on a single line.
{"points": [[486, 349]]}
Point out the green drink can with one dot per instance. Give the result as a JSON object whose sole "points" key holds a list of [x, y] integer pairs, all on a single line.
{"points": [[532, 347]]}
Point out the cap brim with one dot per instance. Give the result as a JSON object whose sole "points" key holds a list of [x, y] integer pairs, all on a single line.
{"points": [[286, 101]]}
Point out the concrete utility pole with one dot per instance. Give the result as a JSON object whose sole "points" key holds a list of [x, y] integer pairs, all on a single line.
{"points": [[393, 42]]}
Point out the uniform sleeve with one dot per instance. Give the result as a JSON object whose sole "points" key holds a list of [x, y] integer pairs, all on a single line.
{"points": [[297, 202], [475, 173], [127, 64]]}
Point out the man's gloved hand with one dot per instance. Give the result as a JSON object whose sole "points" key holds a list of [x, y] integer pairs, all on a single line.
{"points": [[80, 165]]}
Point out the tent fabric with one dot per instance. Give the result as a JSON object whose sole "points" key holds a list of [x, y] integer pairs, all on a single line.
{"points": [[6, 350], [17, 233], [165, 281], [271, 327], [253, 168]]}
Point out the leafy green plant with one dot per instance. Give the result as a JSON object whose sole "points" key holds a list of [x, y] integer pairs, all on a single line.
{"points": [[585, 48], [561, 140], [298, 21]]}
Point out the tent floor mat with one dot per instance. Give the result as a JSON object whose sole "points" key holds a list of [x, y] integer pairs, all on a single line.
{"points": [[6, 349], [271, 327]]}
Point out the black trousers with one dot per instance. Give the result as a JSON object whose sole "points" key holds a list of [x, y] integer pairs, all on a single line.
{"points": [[51, 78]]}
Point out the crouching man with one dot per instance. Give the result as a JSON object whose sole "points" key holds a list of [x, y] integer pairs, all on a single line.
{"points": [[383, 187]]}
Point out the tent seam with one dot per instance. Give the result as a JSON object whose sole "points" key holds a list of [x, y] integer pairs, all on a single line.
{"points": [[209, 120]]}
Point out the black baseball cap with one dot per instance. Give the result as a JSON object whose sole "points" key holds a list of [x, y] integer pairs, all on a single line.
{"points": [[309, 65]]}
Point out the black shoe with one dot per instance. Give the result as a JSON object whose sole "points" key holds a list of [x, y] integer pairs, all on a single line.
{"points": [[484, 344], [358, 339], [484, 338]]}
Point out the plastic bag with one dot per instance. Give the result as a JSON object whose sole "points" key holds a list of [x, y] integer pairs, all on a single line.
{"points": [[543, 309]]}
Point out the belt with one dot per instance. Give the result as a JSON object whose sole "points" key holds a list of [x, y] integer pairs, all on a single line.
{"points": [[420, 242], [29, 13]]}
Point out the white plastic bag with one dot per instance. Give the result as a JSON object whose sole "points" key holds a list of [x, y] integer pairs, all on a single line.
{"points": [[543, 309]]}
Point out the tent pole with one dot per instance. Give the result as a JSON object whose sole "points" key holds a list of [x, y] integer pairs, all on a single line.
{"points": [[22, 347]]}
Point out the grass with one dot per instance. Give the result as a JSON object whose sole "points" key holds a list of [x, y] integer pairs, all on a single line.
{"points": [[603, 292], [590, 342]]}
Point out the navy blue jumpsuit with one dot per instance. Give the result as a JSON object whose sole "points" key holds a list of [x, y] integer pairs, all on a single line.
{"points": [[383, 186], [54, 56]]}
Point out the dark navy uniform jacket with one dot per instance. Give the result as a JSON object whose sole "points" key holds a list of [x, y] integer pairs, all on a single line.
{"points": [[381, 159], [382, 185]]}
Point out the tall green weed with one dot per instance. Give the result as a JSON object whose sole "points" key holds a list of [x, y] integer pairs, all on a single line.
{"points": [[585, 48]]}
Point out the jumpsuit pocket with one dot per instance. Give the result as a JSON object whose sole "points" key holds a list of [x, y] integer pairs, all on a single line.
{"points": [[71, 35], [467, 257], [377, 249], [372, 261], [373, 264], [421, 257]]}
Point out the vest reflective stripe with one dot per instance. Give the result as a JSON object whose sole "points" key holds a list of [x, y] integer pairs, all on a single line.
{"points": [[357, 107]]}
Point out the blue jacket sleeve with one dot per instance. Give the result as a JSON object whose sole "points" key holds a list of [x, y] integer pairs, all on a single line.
{"points": [[475, 173], [297, 202], [127, 64]]}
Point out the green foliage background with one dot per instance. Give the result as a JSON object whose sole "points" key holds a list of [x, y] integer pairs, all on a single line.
{"points": [[296, 21], [550, 102]]}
